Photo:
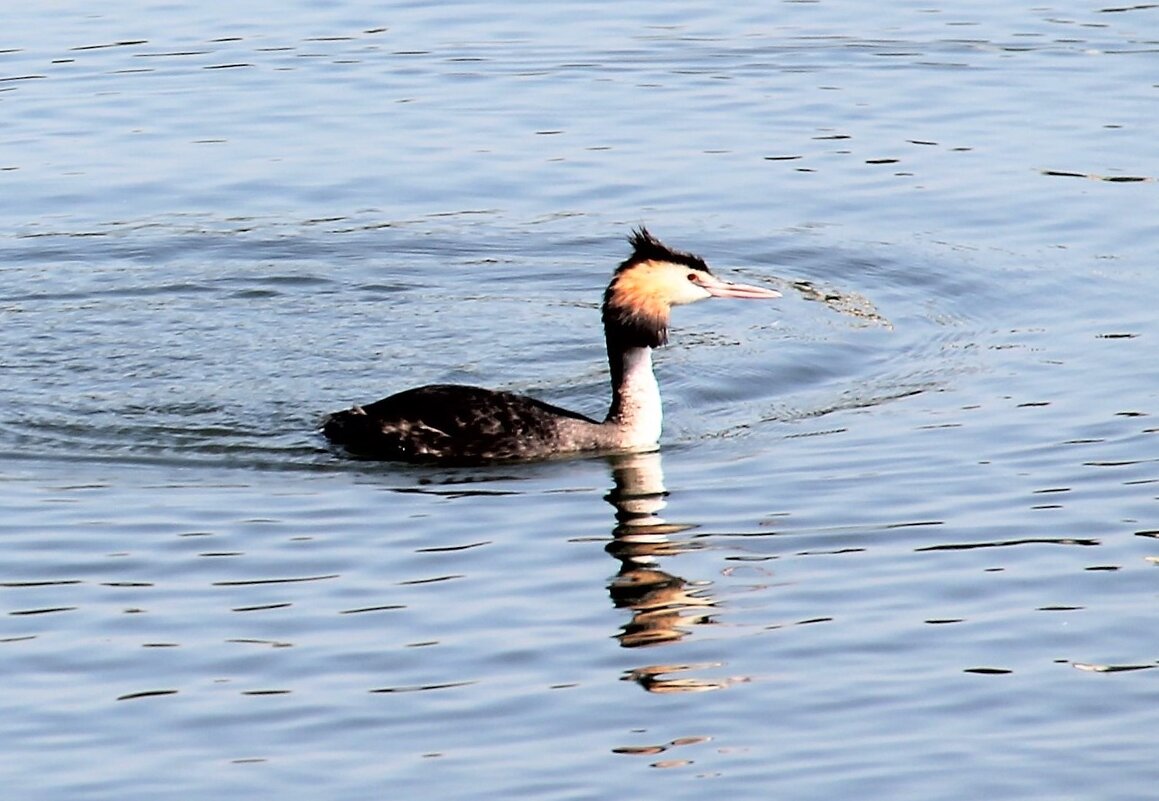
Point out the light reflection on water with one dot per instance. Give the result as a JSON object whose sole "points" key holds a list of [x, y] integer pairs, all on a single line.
{"points": [[405, 584], [320, 592]]}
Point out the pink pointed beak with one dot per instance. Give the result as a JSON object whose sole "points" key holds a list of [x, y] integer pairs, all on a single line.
{"points": [[719, 288]]}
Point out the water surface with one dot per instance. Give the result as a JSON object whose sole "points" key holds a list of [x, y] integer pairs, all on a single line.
{"points": [[900, 541]]}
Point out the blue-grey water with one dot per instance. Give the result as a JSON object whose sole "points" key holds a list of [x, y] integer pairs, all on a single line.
{"points": [[900, 541]]}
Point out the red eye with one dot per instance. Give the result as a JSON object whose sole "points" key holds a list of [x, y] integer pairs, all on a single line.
{"points": [[694, 278]]}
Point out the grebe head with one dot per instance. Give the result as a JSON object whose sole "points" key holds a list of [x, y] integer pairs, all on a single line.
{"points": [[654, 279]]}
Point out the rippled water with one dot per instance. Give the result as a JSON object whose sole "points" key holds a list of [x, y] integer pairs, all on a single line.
{"points": [[901, 538]]}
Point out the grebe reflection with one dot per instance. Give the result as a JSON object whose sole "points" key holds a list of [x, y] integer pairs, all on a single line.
{"points": [[665, 607]]}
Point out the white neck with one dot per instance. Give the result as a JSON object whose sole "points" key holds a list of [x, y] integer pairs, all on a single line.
{"points": [[636, 409]]}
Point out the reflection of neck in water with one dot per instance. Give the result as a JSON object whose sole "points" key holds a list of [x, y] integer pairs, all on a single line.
{"points": [[664, 607]]}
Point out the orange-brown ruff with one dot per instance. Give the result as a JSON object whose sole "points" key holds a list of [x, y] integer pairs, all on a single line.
{"points": [[463, 424]]}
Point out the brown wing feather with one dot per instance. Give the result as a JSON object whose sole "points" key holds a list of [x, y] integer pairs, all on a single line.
{"points": [[448, 422]]}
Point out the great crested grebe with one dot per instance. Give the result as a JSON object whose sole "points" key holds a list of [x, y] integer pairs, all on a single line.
{"points": [[449, 422]]}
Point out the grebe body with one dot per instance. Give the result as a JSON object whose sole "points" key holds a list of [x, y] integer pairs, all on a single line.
{"points": [[465, 424]]}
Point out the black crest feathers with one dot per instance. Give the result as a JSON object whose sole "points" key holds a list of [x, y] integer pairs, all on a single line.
{"points": [[646, 247]]}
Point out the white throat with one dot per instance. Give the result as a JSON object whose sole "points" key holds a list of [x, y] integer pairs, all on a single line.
{"points": [[636, 408]]}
